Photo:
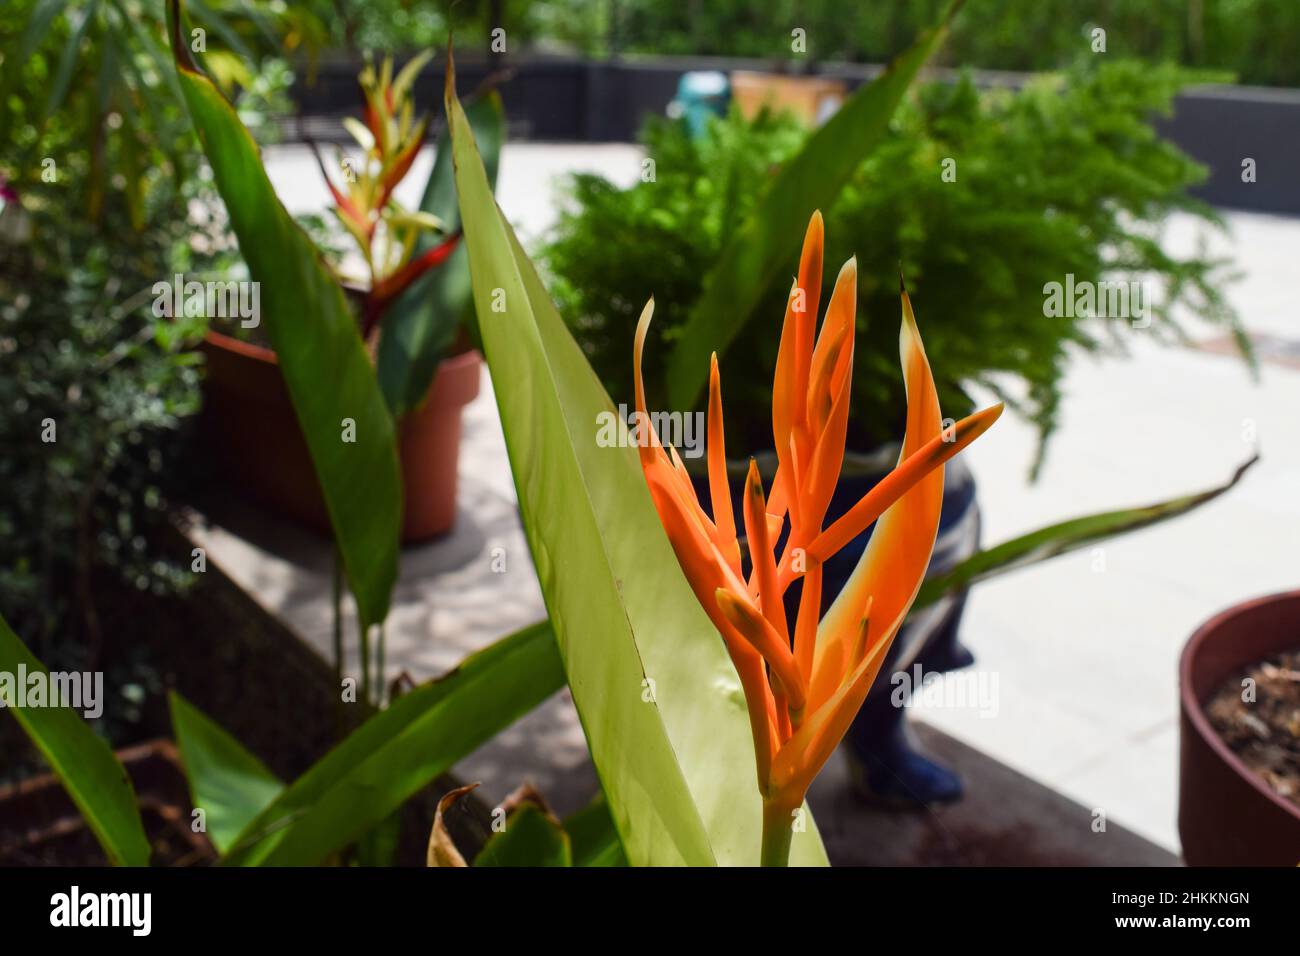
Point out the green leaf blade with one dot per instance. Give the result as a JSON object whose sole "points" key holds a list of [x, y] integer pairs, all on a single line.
{"points": [[659, 699], [420, 325], [400, 750], [1057, 539], [227, 782], [593, 836], [316, 339], [532, 837], [83, 762]]}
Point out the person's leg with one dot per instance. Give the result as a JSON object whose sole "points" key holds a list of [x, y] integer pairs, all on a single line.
{"points": [[885, 760]]}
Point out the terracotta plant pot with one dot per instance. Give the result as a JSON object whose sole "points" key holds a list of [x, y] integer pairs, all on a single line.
{"points": [[251, 429], [1227, 815]]}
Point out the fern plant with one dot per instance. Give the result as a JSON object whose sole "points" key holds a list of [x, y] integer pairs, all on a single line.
{"points": [[1065, 177]]}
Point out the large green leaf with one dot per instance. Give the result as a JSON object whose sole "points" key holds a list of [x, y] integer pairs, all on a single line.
{"points": [[1061, 538], [392, 755], [227, 782], [317, 341], [659, 699], [767, 243], [420, 325], [85, 764]]}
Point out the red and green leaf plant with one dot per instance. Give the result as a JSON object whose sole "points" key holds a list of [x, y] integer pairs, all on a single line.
{"points": [[386, 233], [804, 683]]}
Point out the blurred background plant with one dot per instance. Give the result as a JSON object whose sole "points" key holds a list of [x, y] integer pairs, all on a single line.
{"points": [[1254, 39], [104, 196], [975, 252]]}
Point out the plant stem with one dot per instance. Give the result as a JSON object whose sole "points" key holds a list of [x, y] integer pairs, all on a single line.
{"points": [[379, 664], [339, 720], [365, 661], [778, 831], [338, 620]]}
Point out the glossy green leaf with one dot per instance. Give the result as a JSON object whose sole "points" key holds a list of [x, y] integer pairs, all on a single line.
{"points": [[400, 750], [83, 762], [766, 245], [659, 699], [1062, 538], [227, 782], [532, 837], [594, 837], [420, 325], [316, 339]]}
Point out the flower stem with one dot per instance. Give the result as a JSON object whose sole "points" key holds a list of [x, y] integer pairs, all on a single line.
{"points": [[778, 831]]}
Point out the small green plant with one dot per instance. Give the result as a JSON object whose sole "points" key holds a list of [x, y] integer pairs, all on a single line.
{"points": [[980, 199]]}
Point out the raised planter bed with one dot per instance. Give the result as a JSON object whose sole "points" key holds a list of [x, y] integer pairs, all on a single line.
{"points": [[44, 828]]}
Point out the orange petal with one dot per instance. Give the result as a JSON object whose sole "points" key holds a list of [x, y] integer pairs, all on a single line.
{"points": [[752, 671], [724, 517], [758, 631], [894, 562], [823, 471], [837, 327], [402, 162], [790, 386], [787, 401], [810, 282], [706, 571], [760, 554], [805, 627], [806, 752], [894, 485], [684, 478]]}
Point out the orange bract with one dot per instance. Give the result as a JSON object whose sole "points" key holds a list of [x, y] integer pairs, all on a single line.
{"points": [[804, 684]]}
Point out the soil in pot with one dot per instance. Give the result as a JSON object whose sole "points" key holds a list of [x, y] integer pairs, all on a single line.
{"points": [[1264, 732]]}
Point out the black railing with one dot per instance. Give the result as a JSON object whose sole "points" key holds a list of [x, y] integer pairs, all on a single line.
{"points": [[563, 99]]}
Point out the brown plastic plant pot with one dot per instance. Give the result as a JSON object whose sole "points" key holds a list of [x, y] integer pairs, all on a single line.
{"points": [[1227, 814], [41, 826], [250, 427]]}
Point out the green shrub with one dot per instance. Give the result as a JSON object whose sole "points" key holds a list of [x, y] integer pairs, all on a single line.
{"points": [[1064, 177], [1254, 39], [104, 199]]}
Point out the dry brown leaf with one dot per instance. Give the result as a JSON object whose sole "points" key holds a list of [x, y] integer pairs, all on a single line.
{"points": [[442, 849]]}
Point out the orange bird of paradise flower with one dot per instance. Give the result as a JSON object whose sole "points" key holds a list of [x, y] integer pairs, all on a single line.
{"points": [[804, 683]]}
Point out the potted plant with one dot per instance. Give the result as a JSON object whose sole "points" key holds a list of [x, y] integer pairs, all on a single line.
{"points": [[953, 195], [1239, 731], [408, 309], [638, 600]]}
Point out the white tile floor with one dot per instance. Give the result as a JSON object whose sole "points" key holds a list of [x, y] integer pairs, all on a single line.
{"points": [[1085, 647]]}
